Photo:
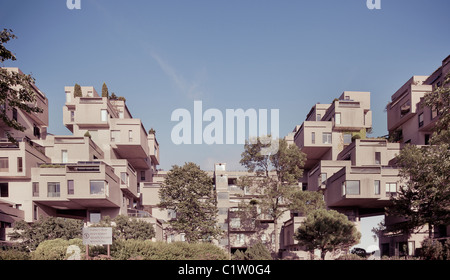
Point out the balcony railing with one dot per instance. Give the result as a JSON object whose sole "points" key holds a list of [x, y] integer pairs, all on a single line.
{"points": [[138, 213]]}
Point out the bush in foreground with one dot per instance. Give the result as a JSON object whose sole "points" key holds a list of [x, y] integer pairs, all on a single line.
{"points": [[148, 250]]}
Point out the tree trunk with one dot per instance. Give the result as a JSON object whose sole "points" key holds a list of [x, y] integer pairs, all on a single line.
{"points": [[322, 254], [275, 229]]}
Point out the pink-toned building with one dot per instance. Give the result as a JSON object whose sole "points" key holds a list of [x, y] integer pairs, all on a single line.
{"points": [[97, 171]]}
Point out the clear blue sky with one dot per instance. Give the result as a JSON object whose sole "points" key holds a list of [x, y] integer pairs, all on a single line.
{"points": [[286, 55]]}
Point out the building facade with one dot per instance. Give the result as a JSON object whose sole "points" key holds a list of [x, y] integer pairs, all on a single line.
{"points": [[97, 171]]}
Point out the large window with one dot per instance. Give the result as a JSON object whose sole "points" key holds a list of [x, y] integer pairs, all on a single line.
{"points": [[350, 187], [4, 164], [97, 187], [4, 191], [326, 138], [53, 189], [391, 189], [347, 138]]}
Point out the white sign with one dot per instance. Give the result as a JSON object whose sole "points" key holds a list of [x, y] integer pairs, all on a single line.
{"points": [[97, 236]]}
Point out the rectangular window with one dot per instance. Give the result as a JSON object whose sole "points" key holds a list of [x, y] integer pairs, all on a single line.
{"points": [[19, 164], [97, 187], [405, 108], [72, 116], [376, 186], [323, 178], [53, 189], [347, 138], [4, 164], [434, 113], [313, 137], [377, 158], [35, 189], [64, 157], [4, 190], [235, 222], [421, 120], [104, 115], [351, 187], [120, 115], [35, 212], [115, 136], [70, 187], [318, 117], [241, 238], [14, 114], [68, 96], [130, 135], [326, 138], [123, 178], [142, 175], [337, 118], [391, 189]]}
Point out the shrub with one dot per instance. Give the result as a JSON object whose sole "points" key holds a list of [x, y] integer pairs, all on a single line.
{"points": [[13, 254], [435, 250], [256, 252], [148, 250], [56, 249]]}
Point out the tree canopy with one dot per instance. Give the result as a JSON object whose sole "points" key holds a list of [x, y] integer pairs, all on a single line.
{"points": [[188, 192], [327, 230], [16, 89], [424, 197]]}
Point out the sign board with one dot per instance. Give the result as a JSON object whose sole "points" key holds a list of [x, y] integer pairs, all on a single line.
{"points": [[97, 236]]}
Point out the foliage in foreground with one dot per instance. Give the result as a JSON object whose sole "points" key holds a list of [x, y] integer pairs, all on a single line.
{"points": [[147, 250], [255, 252]]}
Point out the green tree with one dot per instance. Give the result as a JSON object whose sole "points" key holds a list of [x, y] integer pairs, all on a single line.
{"points": [[77, 91], [327, 230], [30, 235], [105, 92], [125, 228], [276, 179], [16, 89], [439, 100], [256, 252], [424, 197], [133, 228], [188, 191]]}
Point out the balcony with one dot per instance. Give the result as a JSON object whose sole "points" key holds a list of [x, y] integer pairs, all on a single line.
{"points": [[76, 186]]}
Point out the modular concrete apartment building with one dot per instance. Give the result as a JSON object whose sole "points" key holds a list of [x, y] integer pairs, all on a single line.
{"points": [[95, 172], [108, 167]]}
